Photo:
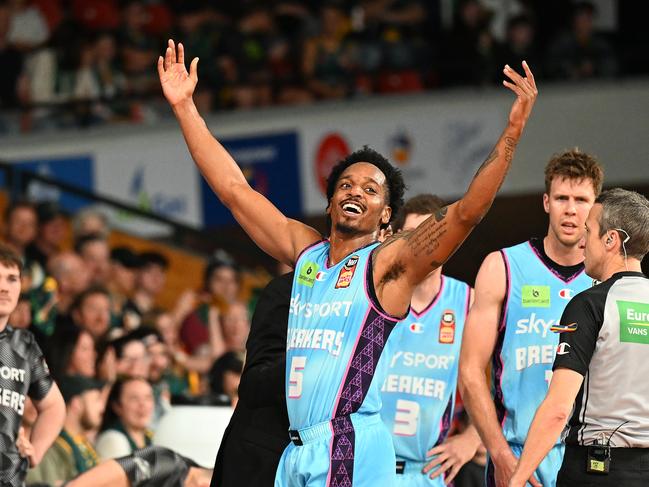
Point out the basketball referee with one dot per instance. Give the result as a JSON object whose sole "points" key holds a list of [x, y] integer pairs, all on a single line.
{"points": [[601, 367]]}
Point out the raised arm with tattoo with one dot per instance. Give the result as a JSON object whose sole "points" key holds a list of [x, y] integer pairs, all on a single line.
{"points": [[279, 236], [406, 259]]}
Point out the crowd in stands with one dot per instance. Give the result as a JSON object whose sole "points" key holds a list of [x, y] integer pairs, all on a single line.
{"points": [[119, 358], [97, 57]]}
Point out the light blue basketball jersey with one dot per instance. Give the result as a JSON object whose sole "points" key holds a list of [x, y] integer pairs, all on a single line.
{"points": [[336, 335], [419, 391], [526, 346]]}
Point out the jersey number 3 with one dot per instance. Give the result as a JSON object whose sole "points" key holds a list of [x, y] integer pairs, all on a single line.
{"points": [[406, 418]]}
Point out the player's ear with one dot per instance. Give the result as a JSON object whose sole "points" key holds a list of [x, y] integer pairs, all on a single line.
{"points": [[385, 216], [546, 202]]}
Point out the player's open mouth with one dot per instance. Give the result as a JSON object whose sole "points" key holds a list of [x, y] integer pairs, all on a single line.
{"points": [[570, 227], [351, 208]]}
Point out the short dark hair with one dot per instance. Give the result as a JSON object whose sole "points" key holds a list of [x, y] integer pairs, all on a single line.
{"points": [[422, 204], [153, 258], [85, 294], [9, 258], [628, 213], [87, 239], [393, 177], [16, 205], [574, 164]]}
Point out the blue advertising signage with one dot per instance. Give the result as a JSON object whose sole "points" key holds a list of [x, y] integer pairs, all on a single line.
{"points": [[76, 170], [270, 164]]}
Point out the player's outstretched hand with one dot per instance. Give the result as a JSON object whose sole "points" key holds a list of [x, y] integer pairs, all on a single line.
{"points": [[526, 93], [177, 84]]}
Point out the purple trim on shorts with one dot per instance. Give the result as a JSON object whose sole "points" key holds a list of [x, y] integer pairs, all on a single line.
{"points": [[497, 359], [551, 270], [341, 471], [360, 371]]}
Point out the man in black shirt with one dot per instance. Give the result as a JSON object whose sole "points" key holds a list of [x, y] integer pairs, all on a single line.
{"points": [[23, 373], [258, 431], [600, 371]]}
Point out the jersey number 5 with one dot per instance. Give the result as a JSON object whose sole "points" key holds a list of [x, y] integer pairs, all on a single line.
{"points": [[295, 377], [406, 418]]}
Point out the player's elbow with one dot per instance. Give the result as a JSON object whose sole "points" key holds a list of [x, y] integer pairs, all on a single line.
{"points": [[470, 213]]}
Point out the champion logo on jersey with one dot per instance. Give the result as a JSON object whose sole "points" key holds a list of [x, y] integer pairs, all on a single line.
{"points": [[569, 328], [566, 293], [562, 349], [347, 273], [320, 276], [416, 328]]}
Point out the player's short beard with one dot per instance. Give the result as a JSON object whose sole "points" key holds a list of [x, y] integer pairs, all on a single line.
{"points": [[347, 229]]}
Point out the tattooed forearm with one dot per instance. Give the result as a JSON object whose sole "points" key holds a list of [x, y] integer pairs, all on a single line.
{"points": [[425, 240], [510, 145]]}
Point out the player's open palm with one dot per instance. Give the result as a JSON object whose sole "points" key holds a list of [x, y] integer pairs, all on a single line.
{"points": [[177, 84], [526, 93]]}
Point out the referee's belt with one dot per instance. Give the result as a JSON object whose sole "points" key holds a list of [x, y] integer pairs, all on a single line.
{"points": [[325, 429], [405, 467]]}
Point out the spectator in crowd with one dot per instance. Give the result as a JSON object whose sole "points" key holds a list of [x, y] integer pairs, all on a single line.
{"points": [[95, 252], [236, 326], [124, 264], [131, 356], [73, 452], [520, 46], [150, 281], [225, 375], [469, 48], [400, 25], [125, 427], [68, 277], [52, 232], [581, 53], [221, 288], [248, 70], [71, 351], [21, 226], [91, 311], [138, 48], [326, 62], [159, 370], [89, 222]]}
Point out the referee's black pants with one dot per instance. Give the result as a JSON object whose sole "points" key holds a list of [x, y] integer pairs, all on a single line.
{"points": [[629, 468]]}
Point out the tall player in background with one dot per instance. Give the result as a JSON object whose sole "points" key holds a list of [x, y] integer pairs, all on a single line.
{"points": [[348, 293], [520, 293], [419, 392]]}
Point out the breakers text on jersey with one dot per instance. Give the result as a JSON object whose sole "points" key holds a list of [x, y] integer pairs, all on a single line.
{"points": [[317, 339], [8, 398]]}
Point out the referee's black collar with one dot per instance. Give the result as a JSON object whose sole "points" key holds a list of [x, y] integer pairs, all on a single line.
{"points": [[629, 274]]}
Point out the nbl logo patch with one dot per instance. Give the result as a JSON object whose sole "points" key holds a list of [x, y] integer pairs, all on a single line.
{"points": [[447, 327], [347, 273]]}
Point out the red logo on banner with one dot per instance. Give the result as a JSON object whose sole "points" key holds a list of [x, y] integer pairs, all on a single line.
{"points": [[331, 150]]}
